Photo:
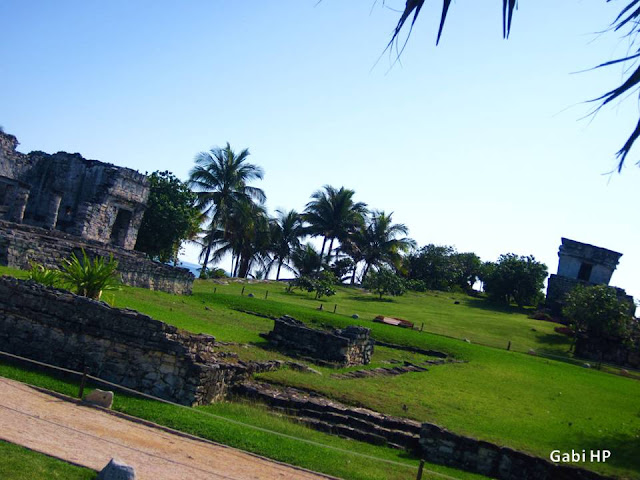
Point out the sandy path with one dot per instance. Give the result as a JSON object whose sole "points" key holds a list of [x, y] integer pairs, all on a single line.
{"points": [[91, 437]]}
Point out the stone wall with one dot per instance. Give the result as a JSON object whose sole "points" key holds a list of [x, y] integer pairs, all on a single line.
{"points": [[349, 346], [87, 198], [433, 443], [610, 350], [333, 417], [441, 446], [20, 244], [120, 346]]}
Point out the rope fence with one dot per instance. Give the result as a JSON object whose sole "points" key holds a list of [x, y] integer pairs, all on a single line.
{"points": [[84, 376]]}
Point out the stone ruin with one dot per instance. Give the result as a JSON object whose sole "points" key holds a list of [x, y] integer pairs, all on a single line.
{"points": [[117, 345], [85, 204], [582, 264], [344, 347]]}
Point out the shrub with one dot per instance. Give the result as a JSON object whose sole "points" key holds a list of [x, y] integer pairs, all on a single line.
{"points": [[597, 312], [322, 284], [416, 285], [45, 276], [90, 277], [385, 281], [514, 278]]}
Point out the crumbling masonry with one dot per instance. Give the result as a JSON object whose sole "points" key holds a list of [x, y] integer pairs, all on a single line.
{"points": [[51, 205]]}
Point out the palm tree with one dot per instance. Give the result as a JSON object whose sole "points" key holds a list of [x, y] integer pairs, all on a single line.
{"points": [[628, 21], [246, 238], [306, 260], [379, 244], [333, 214], [220, 179], [286, 230]]}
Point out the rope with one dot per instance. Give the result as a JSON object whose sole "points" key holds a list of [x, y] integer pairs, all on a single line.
{"points": [[229, 420]]}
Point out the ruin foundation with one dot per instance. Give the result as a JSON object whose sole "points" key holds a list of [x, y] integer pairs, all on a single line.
{"points": [[346, 347], [117, 345]]}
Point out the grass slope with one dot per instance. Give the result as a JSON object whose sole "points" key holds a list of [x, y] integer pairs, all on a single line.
{"points": [[342, 464], [507, 397], [18, 463]]}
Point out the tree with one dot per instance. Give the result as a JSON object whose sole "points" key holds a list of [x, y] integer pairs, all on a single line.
{"points": [[467, 270], [171, 217], [380, 243], [628, 20], [286, 229], [514, 278], [333, 214], [246, 237], [596, 311], [306, 260], [220, 179], [385, 281], [433, 265]]}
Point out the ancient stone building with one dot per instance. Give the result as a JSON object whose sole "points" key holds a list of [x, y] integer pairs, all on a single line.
{"points": [[86, 198], [55, 205], [581, 263]]}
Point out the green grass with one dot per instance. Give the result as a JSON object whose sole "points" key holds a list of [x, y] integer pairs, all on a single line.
{"points": [[526, 402], [342, 464], [18, 463]]}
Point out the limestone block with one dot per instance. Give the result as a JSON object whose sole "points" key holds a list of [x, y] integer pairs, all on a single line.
{"points": [[117, 470], [100, 398]]}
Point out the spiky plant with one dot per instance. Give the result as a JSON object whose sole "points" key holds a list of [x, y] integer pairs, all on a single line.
{"points": [[90, 277], [43, 275]]}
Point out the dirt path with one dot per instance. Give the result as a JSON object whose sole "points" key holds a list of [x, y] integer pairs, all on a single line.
{"points": [[91, 437]]}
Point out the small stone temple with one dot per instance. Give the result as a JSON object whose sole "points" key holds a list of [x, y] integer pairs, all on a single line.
{"points": [[54, 204], [582, 264]]}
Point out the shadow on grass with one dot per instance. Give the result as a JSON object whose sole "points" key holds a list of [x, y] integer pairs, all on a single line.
{"points": [[495, 307], [371, 299], [624, 450]]}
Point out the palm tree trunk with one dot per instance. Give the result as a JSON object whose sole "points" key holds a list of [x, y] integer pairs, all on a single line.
{"points": [[278, 272], [364, 274], [322, 253], [353, 277], [330, 248], [206, 260]]}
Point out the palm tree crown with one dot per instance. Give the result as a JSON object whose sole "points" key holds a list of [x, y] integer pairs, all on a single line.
{"points": [[286, 229], [220, 179], [333, 214], [378, 243]]}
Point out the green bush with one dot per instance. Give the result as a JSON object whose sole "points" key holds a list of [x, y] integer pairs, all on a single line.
{"points": [[45, 276], [89, 277], [597, 312], [385, 281]]}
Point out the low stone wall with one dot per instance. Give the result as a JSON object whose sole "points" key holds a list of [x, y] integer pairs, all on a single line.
{"points": [[346, 347], [610, 350], [336, 418], [118, 345], [20, 244], [441, 446]]}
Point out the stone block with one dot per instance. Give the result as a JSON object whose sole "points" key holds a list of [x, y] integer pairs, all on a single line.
{"points": [[117, 470], [100, 398]]}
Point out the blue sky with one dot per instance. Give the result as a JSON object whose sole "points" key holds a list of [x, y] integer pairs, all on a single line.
{"points": [[476, 143]]}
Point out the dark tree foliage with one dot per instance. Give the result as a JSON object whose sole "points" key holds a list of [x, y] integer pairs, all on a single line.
{"points": [[385, 282], [440, 267], [170, 218], [628, 22], [597, 312], [514, 278]]}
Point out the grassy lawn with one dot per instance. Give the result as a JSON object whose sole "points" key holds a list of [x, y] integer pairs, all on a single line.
{"points": [[214, 427], [18, 463], [507, 397]]}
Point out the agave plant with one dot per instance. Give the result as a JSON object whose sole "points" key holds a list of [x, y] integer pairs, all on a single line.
{"points": [[90, 277], [43, 275]]}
